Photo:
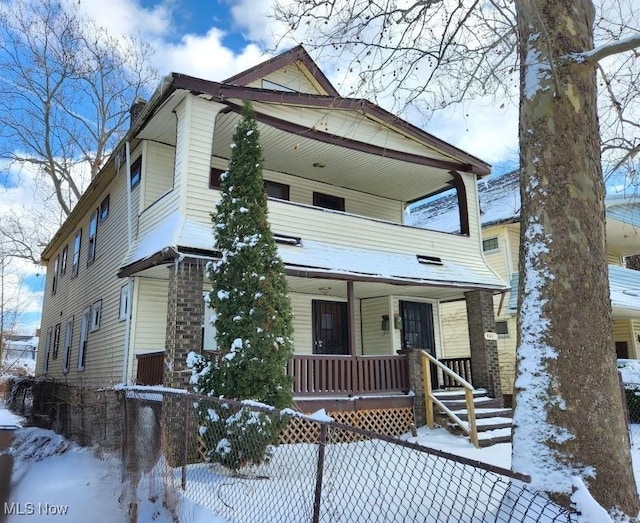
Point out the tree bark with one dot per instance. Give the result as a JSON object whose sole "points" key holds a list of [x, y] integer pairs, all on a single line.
{"points": [[569, 418]]}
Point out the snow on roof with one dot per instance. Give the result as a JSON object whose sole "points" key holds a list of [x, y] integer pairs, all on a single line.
{"points": [[624, 289], [318, 256], [499, 201]]}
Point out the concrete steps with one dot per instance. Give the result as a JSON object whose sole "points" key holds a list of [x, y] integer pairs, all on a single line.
{"points": [[493, 421]]}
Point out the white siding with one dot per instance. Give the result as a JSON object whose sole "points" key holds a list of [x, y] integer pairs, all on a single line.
{"points": [[157, 175], [94, 282], [455, 331], [376, 342], [151, 315], [290, 76]]}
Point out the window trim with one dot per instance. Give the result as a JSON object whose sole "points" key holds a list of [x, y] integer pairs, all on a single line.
{"points": [[47, 350], [493, 249], [103, 213], [63, 260], [506, 325], [339, 200], [93, 237], [96, 316], [68, 340], [284, 187], [136, 167], [123, 310], [77, 239], [84, 334], [56, 341], [54, 283]]}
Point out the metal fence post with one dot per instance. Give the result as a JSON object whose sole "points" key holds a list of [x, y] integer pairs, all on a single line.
{"points": [[185, 435], [322, 443]]}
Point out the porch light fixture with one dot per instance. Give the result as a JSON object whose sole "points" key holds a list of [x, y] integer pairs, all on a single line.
{"points": [[319, 165], [385, 322], [397, 322]]}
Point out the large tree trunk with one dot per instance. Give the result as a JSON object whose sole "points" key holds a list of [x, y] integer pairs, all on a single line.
{"points": [[569, 418]]}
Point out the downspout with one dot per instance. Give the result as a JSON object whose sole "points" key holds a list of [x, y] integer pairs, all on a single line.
{"points": [[127, 329]]}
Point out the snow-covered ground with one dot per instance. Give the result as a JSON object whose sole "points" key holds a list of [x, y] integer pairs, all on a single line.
{"points": [[52, 476]]}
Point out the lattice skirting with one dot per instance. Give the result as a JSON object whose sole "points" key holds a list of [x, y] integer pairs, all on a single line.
{"points": [[390, 422]]}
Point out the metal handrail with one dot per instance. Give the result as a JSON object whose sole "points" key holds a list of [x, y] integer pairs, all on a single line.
{"points": [[470, 427]]}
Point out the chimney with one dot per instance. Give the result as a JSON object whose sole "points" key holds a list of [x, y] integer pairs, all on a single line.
{"points": [[136, 108]]}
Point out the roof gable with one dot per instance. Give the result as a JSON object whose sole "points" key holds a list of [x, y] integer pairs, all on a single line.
{"points": [[293, 70]]}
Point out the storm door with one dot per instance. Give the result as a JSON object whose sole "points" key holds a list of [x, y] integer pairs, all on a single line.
{"points": [[417, 330], [330, 327]]}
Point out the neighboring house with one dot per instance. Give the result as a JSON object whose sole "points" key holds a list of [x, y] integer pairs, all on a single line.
{"points": [[500, 218], [19, 354], [124, 292]]}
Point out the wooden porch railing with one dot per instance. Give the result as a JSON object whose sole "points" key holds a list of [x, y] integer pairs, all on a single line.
{"points": [[344, 375], [469, 426], [461, 366], [150, 368]]}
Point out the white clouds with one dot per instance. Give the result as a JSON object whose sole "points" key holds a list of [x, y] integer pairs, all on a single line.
{"points": [[205, 56]]}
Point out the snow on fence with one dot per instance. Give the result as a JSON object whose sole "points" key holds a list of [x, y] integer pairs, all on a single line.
{"points": [[341, 474]]}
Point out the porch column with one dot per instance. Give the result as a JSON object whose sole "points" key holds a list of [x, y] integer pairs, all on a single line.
{"points": [[485, 370], [184, 320], [351, 314], [416, 382]]}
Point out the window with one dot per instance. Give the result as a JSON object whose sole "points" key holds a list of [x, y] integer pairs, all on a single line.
{"points": [[63, 260], [124, 302], [502, 329], [56, 341], [328, 201], [84, 331], [209, 342], [214, 178], [54, 285], [93, 233], [96, 311], [136, 172], [77, 241], [68, 337], [47, 350], [490, 244], [104, 209], [277, 190]]}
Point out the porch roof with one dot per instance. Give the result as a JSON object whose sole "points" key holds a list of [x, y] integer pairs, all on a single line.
{"points": [[177, 235], [624, 290]]}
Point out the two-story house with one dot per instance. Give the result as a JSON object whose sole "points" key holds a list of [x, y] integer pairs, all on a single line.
{"points": [[500, 218], [125, 272]]}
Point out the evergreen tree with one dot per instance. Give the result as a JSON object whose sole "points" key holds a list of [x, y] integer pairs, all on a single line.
{"points": [[252, 312]]}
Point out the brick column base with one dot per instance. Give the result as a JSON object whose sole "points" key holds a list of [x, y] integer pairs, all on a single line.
{"points": [[485, 369], [416, 383], [184, 320]]}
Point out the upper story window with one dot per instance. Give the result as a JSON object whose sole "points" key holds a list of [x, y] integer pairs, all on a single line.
{"points": [[328, 201], [93, 234], [47, 350], [77, 242], [104, 209], [276, 190], [54, 285], [136, 172], [124, 302], [214, 178], [63, 260], [490, 244]]}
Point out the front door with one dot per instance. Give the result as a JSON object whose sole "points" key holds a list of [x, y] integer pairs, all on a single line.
{"points": [[330, 327], [417, 330]]}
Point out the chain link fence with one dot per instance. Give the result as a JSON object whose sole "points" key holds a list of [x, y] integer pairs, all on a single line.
{"points": [[249, 463], [632, 395]]}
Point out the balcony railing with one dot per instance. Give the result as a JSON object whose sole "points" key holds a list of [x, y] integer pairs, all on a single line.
{"points": [[346, 375], [150, 368], [461, 366]]}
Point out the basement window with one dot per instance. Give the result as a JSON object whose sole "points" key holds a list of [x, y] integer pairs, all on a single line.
{"points": [[429, 260]]}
